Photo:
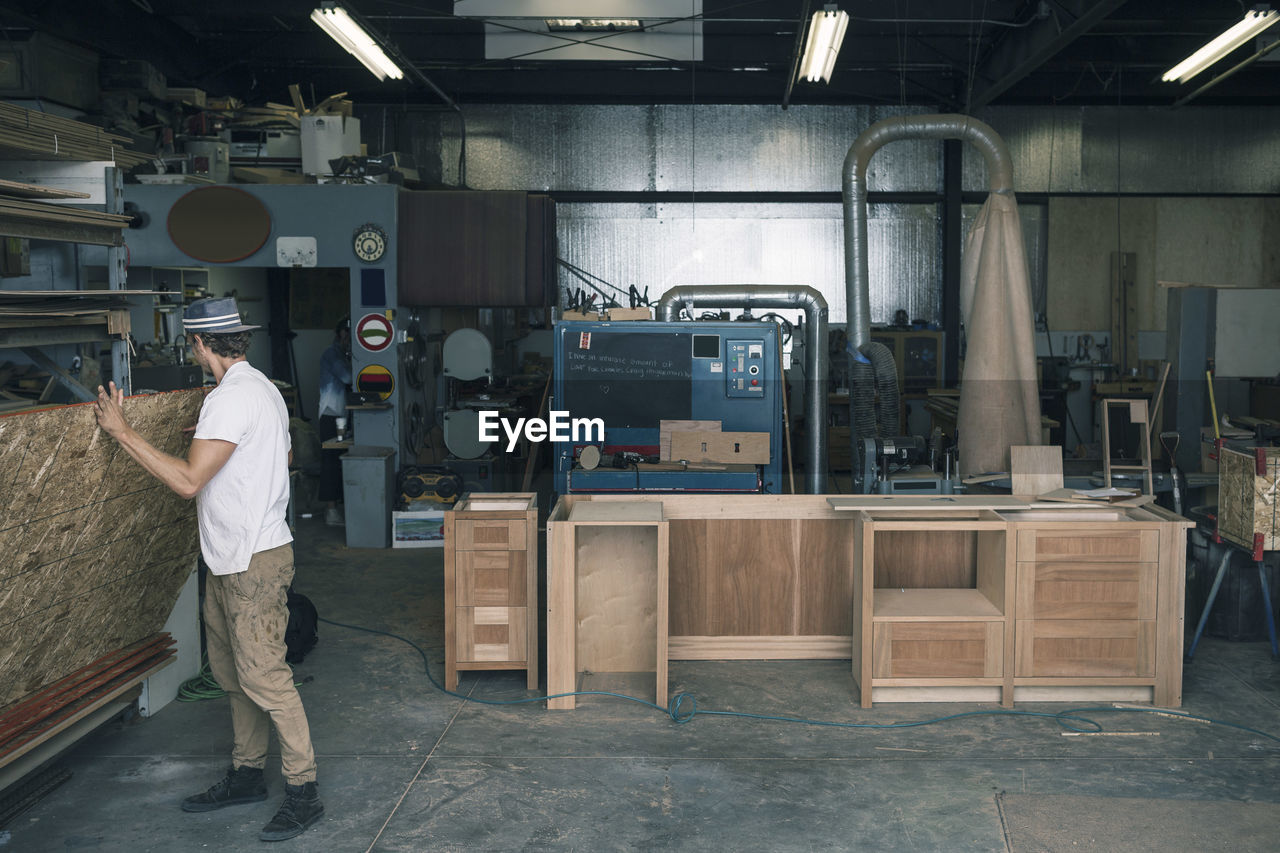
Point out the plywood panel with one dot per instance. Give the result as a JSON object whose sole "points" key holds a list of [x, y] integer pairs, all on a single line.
{"points": [[1035, 470], [690, 607], [617, 598], [925, 559], [824, 567], [95, 549], [752, 577]]}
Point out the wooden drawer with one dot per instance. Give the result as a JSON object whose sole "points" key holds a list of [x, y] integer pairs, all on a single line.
{"points": [[1086, 590], [937, 650], [492, 634], [1139, 546], [490, 534], [490, 579], [1092, 647]]}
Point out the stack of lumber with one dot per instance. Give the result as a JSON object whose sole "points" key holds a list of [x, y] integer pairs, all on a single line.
{"points": [[29, 135], [22, 215], [26, 724]]}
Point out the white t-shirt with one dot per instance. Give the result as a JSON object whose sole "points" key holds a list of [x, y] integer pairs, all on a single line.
{"points": [[242, 509]]}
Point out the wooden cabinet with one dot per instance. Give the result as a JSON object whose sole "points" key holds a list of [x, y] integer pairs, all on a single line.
{"points": [[937, 614], [490, 585], [1032, 603]]}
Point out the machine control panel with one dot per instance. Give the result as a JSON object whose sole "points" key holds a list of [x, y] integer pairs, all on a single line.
{"points": [[744, 372]]}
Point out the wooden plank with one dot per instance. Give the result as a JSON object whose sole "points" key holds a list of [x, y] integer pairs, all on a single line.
{"points": [[758, 648], [450, 600], [562, 638], [530, 555], [665, 428], [1035, 469], [863, 585], [1170, 595], [21, 190]]}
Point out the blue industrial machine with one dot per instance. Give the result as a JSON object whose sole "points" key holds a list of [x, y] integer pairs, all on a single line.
{"points": [[632, 375]]}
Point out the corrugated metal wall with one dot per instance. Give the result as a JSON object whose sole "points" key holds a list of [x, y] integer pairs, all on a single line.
{"points": [[764, 150]]}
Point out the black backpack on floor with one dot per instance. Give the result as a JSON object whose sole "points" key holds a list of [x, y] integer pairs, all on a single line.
{"points": [[300, 634]]}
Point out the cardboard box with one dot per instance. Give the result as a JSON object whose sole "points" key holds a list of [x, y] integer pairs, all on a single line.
{"points": [[417, 529], [746, 448]]}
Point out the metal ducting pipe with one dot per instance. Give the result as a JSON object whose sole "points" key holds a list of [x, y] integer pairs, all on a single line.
{"points": [[854, 187], [815, 348]]}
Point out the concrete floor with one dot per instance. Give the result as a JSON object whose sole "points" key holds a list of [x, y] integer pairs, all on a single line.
{"points": [[405, 767]]}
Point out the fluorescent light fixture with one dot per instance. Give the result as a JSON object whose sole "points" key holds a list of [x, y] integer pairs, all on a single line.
{"points": [[343, 29], [826, 32], [1254, 23], [592, 25]]}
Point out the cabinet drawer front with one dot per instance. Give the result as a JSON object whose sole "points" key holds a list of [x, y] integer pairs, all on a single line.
{"points": [[490, 578], [1140, 546], [1095, 647], [492, 634], [937, 650], [1087, 590], [489, 534]]}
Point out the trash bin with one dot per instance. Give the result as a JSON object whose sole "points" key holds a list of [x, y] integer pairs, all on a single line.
{"points": [[368, 477]]}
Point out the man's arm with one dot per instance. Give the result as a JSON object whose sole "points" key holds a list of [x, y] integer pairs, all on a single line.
{"points": [[185, 476]]}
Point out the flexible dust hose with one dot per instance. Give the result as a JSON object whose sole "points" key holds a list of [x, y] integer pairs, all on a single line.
{"points": [[887, 393]]}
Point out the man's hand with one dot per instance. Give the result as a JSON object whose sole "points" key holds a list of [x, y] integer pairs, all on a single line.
{"points": [[109, 408]]}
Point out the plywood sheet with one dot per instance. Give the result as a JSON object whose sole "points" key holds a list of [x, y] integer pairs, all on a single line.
{"points": [[1035, 470], [95, 550]]}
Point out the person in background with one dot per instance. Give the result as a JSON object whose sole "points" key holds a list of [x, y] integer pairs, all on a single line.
{"points": [[335, 379], [237, 469]]}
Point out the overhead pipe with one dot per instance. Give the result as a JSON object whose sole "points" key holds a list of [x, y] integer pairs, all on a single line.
{"points": [[815, 345], [854, 189]]}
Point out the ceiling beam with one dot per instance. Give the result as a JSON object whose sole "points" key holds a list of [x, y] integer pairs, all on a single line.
{"points": [[1025, 50]]}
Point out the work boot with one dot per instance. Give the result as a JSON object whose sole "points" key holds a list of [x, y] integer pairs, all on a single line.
{"points": [[241, 785], [300, 809], [334, 517]]}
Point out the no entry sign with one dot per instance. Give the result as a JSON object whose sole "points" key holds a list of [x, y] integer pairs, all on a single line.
{"points": [[374, 332]]}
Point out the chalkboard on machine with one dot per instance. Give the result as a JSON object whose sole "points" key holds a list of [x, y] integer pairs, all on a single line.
{"points": [[629, 379]]}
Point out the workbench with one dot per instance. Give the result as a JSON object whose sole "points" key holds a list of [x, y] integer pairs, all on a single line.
{"points": [[957, 598]]}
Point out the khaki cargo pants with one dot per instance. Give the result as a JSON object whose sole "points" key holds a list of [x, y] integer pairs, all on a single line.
{"points": [[245, 616]]}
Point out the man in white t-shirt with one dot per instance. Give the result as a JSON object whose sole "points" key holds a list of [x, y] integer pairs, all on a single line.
{"points": [[237, 470]]}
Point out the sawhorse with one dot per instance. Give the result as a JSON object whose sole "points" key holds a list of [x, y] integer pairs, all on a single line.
{"points": [[1227, 553]]}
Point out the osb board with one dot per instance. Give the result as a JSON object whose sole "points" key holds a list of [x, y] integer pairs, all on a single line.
{"points": [[1247, 503], [95, 550]]}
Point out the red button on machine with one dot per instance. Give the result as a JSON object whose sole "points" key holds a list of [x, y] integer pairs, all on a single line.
{"points": [[755, 381]]}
